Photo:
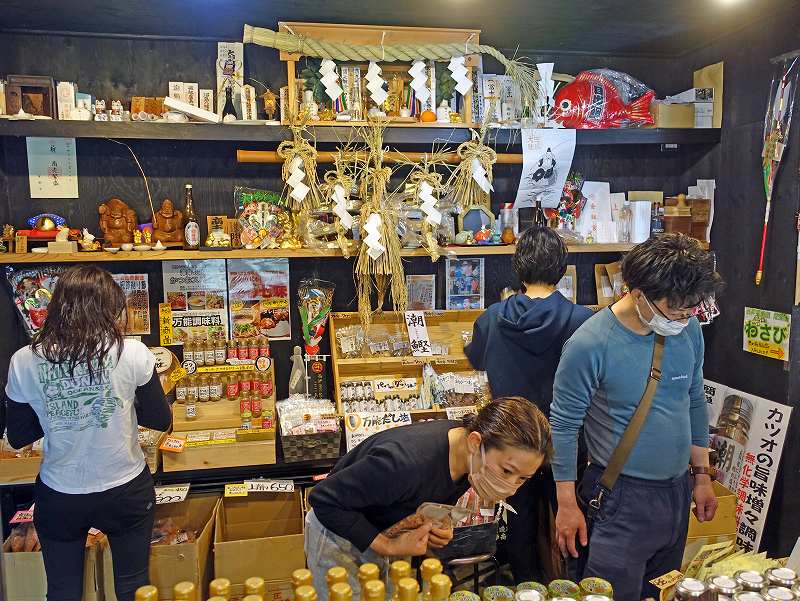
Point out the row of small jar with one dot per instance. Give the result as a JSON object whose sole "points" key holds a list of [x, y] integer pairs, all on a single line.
{"points": [[216, 352], [218, 590], [217, 387], [776, 584]]}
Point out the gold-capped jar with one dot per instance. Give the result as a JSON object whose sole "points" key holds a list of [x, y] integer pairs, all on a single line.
{"points": [[146, 593]]}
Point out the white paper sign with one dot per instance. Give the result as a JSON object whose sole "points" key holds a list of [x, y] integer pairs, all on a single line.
{"points": [[360, 426], [171, 494], [418, 334], [284, 486], [748, 457], [52, 167], [456, 413], [546, 161], [596, 211], [386, 386]]}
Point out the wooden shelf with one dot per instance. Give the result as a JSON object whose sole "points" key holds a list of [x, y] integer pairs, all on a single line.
{"points": [[398, 133], [301, 253]]}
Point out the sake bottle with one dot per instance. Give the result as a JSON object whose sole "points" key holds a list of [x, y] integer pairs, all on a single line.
{"points": [[184, 591], [430, 567], [305, 593], [408, 589], [336, 575], [440, 587], [256, 585], [297, 377], [146, 593], [302, 577], [366, 573], [221, 587], [373, 590], [340, 591], [397, 572]]}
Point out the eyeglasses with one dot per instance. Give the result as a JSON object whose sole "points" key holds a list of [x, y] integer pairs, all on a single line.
{"points": [[683, 317]]}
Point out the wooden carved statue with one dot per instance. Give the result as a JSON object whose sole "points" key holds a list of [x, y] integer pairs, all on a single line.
{"points": [[168, 223], [117, 221]]}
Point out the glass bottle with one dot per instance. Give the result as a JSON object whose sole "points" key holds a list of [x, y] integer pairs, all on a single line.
{"points": [[340, 591], [397, 572], [188, 349], [656, 219], [242, 350], [233, 351], [191, 407], [209, 352], [220, 352], [373, 590], [624, 219], [440, 587], [220, 587], [203, 392], [215, 387], [228, 110], [180, 391], [336, 575], [256, 403], [184, 591], [430, 567], [192, 388], [232, 387], [305, 593], [255, 585], [730, 441], [263, 346], [146, 593], [366, 573], [198, 354], [252, 349], [302, 577], [191, 231], [408, 589], [245, 383], [539, 218]]}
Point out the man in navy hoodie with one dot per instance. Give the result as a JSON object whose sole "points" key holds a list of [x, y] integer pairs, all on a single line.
{"points": [[518, 343]]}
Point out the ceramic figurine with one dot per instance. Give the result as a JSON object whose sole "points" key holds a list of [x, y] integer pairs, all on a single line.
{"points": [[137, 236], [484, 236], [464, 238], [270, 103], [88, 242], [117, 221], [443, 112], [168, 223]]}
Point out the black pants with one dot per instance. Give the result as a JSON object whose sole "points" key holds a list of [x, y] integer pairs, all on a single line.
{"points": [[125, 514]]}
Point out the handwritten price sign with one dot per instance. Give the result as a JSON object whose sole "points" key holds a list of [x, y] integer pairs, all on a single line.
{"points": [[171, 494], [236, 490], [173, 445], [280, 486]]}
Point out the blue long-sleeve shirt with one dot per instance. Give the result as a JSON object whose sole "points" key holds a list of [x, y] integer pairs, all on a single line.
{"points": [[599, 383]]}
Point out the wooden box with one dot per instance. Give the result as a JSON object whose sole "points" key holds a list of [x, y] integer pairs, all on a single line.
{"points": [[373, 35], [17, 470], [444, 327], [219, 453]]}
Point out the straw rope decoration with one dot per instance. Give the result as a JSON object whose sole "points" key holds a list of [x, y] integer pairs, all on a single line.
{"points": [[382, 271], [521, 72], [299, 172], [421, 174], [463, 184], [342, 177]]}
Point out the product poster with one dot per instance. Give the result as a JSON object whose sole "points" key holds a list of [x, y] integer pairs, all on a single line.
{"points": [[258, 295], [464, 284], [137, 301], [52, 167], [360, 426], [421, 292], [196, 291], [749, 439], [766, 333], [546, 161]]}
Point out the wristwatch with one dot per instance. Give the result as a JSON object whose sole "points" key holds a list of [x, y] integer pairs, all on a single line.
{"points": [[700, 470]]}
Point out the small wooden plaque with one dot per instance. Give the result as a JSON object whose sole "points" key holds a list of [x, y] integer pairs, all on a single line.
{"points": [[20, 244]]}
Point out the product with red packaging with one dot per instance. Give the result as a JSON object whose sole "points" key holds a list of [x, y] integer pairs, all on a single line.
{"points": [[31, 290]]}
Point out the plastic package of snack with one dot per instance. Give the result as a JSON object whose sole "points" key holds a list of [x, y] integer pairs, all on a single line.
{"points": [[398, 345], [378, 342], [351, 341]]}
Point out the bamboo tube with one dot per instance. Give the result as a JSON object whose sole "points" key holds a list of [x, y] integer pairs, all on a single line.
{"points": [[271, 156]]}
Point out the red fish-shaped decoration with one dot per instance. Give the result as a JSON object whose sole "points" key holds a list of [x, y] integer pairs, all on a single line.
{"points": [[593, 101]]}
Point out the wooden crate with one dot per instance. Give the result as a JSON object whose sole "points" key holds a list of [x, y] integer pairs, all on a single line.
{"points": [[373, 35], [213, 456], [444, 327], [17, 470]]}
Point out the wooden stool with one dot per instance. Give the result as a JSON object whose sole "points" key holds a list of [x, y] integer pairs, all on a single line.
{"points": [[475, 561]]}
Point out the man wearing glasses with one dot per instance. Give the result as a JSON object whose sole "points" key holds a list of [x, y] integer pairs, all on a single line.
{"points": [[637, 530]]}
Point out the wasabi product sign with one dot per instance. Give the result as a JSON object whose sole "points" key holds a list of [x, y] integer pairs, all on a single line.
{"points": [[766, 333]]}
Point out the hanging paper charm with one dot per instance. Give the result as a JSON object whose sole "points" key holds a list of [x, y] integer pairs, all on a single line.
{"points": [[340, 206], [298, 189], [375, 84], [428, 203], [459, 71], [479, 175], [330, 79], [420, 82], [373, 239]]}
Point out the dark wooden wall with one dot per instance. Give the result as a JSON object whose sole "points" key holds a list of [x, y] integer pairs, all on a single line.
{"points": [[736, 236]]}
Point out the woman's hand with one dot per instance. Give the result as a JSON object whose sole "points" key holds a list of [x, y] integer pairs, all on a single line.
{"points": [[411, 543], [440, 537]]}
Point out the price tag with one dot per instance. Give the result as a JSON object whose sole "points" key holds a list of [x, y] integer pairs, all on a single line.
{"points": [[173, 445], [285, 486], [456, 413], [24, 516], [165, 324], [418, 337], [387, 385], [180, 373], [171, 494], [319, 477], [238, 489], [667, 580]]}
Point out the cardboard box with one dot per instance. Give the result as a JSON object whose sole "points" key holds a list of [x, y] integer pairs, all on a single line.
{"points": [[672, 115], [251, 529], [693, 95], [15, 469], [724, 521], [171, 564], [24, 577]]}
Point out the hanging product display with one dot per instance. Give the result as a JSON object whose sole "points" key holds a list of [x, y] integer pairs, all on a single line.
{"points": [[196, 294], [603, 98], [31, 290], [137, 301], [776, 136], [471, 181], [300, 168], [315, 299], [258, 293], [265, 219]]}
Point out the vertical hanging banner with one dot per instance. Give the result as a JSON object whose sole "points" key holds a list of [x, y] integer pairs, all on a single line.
{"points": [[258, 296], [196, 292], [137, 301], [546, 161], [52, 167], [766, 333], [750, 435]]}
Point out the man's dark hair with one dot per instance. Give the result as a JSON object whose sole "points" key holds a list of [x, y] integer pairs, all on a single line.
{"points": [[541, 256], [672, 266]]}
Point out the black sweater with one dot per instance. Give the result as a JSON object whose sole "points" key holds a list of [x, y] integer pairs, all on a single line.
{"points": [[152, 411], [385, 479]]}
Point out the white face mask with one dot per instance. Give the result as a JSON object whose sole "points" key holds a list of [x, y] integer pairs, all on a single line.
{"points": [[660, 324]]}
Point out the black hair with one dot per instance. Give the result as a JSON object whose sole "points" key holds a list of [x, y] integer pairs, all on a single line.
{"points": [[674, 267], [512, 422], [541, 256]]}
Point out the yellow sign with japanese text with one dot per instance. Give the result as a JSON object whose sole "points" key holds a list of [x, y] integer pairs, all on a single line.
{"points": [[766, 333]]}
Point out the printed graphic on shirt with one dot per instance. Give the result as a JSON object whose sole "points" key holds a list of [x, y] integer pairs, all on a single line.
{"points": [[75, 402]]}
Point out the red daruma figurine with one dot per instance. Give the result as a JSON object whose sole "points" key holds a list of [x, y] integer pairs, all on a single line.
{"points": [[601, 99]]}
